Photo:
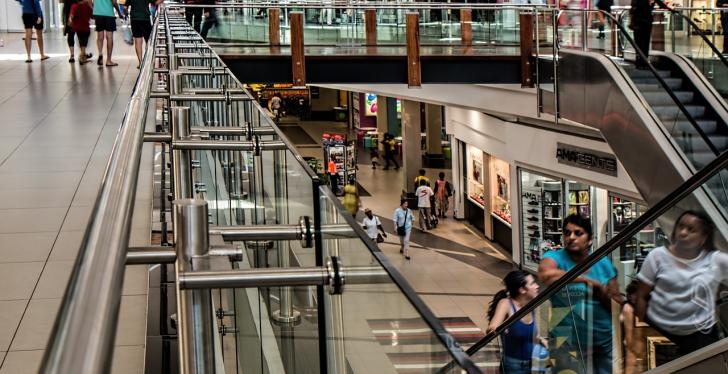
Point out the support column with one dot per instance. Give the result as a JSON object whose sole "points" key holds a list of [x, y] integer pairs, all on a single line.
{"points": [[274, 27], [433, 119], [382, 118], [466, 27], [411, 140], [297, 54], [414, 69], [526, 20], [370, 27]]}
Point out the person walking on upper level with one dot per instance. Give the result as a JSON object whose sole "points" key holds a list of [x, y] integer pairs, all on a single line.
{"points": [[141, 24], [723, 4], [519, 340], [193, 15], [403, 226], [641, 24], [581, 320], [443, 191], [33, 19], [388, 145], [210, 17], [678, 284], [105, 20]]}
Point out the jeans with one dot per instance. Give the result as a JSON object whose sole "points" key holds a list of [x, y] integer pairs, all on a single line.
{"points": [[424, 218], [513, 365]]}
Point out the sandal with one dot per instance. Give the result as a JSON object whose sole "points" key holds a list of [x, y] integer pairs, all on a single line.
{"points": [[28, 61], [72, 60], [45, 58], [111, 64], [100, 61]]}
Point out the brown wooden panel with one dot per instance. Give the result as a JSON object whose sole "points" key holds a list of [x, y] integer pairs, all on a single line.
{"points": [[274, 26], [370, 19], [526, 35], [466, 26], [298, 60], [414, 68]]}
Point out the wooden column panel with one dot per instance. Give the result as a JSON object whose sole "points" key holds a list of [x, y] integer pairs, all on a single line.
{"points": [[527, 60], [274, 26], [298, 60], [466, 26], [370, 26], [414, 69]]}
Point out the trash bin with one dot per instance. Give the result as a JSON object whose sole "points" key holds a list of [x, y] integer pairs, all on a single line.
{"points": [[447, 152]]}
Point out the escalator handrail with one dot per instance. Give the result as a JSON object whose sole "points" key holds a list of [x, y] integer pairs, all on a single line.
{"points": [[667, 203], [660, 80]]}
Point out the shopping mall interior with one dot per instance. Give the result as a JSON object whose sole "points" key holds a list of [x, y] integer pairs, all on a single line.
{"points": [[234, 203]]}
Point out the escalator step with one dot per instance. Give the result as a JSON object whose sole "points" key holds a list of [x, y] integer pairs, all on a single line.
{"points": [[708, 126], [696, 143], [662, 98], [673, 83], [636, 73], [671, 113]]}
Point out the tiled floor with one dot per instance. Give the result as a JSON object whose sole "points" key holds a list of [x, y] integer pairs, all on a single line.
{"points": [[58, 122]]}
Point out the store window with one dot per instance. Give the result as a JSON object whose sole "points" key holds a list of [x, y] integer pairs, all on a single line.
{"points": [[476, 188], [500, 173]]}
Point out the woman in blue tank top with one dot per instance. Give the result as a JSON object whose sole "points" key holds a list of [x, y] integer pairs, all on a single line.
{"points": [[519, 339]]}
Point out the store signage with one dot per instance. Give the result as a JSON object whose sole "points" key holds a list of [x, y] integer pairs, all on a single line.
{"points": [[588, 159]]}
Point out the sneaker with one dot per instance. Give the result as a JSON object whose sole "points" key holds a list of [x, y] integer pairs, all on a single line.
{"points": [[532, 219], [532, 211]]}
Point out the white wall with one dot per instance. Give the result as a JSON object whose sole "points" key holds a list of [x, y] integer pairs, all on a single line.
{"points": [[532, 148], [10, 16]]}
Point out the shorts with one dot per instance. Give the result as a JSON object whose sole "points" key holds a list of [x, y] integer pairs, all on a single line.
{"points": [[83, 37], [105, 23], [141, 29], [29, 21]]}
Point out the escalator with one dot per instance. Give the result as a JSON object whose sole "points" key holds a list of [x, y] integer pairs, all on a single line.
{"points": [[636, 344]]}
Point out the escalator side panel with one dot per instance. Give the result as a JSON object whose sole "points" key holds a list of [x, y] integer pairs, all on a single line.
{"points": [[593, 91]]}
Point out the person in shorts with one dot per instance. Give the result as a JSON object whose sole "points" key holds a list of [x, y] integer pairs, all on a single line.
{"points": [[141, 25], [80, 19], [33, 19], [105, 20]]}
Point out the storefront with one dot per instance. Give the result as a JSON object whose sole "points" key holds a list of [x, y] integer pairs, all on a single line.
{"points": [[488, 205]]}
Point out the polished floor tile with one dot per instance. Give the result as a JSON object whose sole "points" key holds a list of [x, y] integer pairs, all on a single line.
{"points": [[53, 280], [131, 328], [10, 314], [22, 362], [31, 220], [27, 247], [128, 359], [18, 279], [66, 246], [36, 326]]}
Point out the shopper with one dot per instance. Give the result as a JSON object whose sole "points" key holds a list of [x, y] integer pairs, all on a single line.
{"points": [[80, 19], [443, 191], [373, 226], [374, 155], [274, 105], [424, 193], [105, 20], [605, 6], [141, 24], [403, 226], [33, 19], [581, 321], [720, 4], [210, 17], [388, 146], [351, 200], [518, 341], [421, 177], [333, 176], [679, 284], [68, 30], [193, 15], [641, 23]]}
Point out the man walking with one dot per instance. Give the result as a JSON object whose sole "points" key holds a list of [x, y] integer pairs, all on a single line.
{"points": [[424, 193], [403, 225], [105, 20]]}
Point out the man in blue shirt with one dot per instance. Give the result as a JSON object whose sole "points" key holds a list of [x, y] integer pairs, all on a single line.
{"points": [[403, 226], [581, 322], [33, 19]]}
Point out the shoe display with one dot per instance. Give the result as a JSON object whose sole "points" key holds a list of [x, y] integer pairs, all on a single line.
{"points": [[533, 202], [532, 227], [532, 219], [532, 211], [534, 234]]}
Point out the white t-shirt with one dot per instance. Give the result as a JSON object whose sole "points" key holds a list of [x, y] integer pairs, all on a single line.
{"points": [[685, 290], [371, 226], [423, 196]]}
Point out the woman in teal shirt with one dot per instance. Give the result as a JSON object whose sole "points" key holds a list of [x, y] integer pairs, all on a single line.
{"points": [[581, 319]]}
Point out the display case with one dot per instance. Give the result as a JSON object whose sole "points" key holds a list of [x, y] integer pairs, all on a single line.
{"points": [[542, 208], [476, 187], [343, 154]]}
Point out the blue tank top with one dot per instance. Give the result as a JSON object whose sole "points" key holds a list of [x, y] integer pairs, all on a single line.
{"points": [[518, 339]]}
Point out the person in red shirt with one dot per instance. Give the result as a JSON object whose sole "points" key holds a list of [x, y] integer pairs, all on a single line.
{"points": [[81, 13]]}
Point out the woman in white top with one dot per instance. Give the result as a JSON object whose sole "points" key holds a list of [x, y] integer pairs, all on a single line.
{"points": [[679, 284], [372, 225]]}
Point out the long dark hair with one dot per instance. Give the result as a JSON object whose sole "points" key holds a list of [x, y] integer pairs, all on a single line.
{"points": [[513, 282], [706, 222]]}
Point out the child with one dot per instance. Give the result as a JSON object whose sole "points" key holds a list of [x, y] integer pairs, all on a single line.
{"points": [[374, 154], [81, 13]]}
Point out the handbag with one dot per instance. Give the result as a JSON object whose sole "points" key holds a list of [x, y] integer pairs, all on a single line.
{"points": [[401, 229], [380, 238], [540, 354], [126, 31]]}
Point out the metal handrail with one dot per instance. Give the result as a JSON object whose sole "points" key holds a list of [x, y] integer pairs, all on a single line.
{"points": [[367, 5], [82, 339], [667, 203]]}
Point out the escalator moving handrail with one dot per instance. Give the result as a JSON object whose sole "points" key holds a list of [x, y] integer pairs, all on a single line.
{"points": [[660, 80], [667, 203]]}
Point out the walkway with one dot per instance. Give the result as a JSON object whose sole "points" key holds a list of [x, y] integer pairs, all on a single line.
{"points": [[57, 127]]}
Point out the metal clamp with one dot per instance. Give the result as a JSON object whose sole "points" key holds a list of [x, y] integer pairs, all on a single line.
{"points": [[306, 232]]}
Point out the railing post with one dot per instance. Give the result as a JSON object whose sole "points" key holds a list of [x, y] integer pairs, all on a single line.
{"points": [[297, 55], [414, 70], [370, 26], [526, 35], [194, 307], [274, 27], [181, 158], [466, 27]]}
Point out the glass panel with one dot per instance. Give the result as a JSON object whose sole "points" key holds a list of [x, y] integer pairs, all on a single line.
{"points": [[672, 296]]}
